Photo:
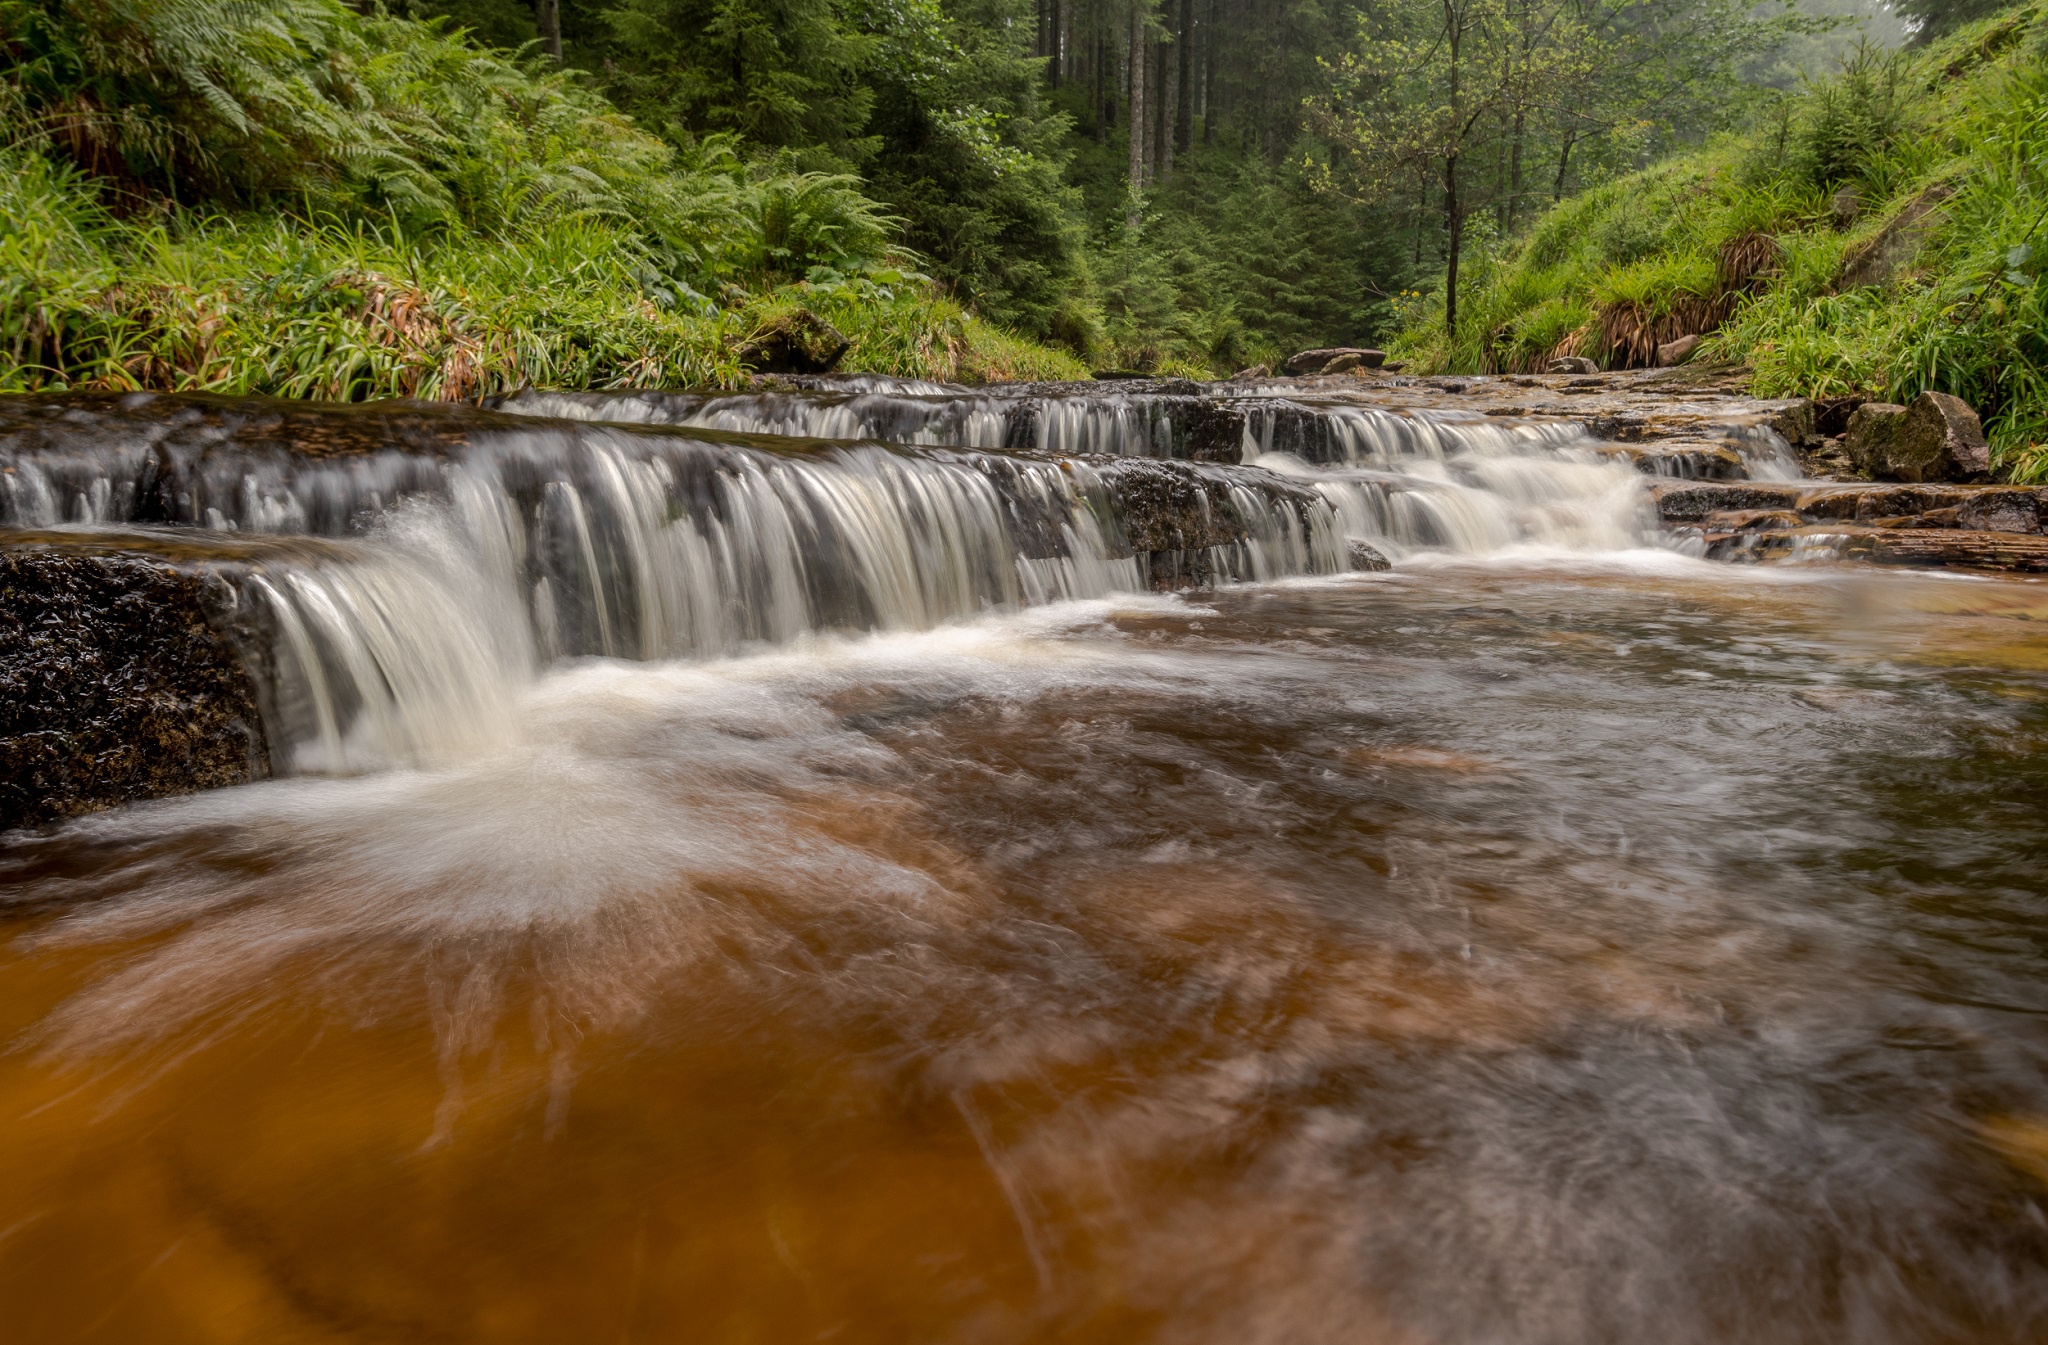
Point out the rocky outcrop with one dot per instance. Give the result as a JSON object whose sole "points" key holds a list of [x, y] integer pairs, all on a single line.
{"points": [[1979, 527], [2012, 509], [1174, 516], [1334, 360], [1571, 364], [121, 675], [799, 342], [1937, 438]]}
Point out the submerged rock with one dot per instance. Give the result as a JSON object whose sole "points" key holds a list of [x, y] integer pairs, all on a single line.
{"points": [[1938, 438], [1366, 556], [120, 677]]}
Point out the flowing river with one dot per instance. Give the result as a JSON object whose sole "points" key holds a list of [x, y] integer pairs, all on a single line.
{"points": [[727, 888]]}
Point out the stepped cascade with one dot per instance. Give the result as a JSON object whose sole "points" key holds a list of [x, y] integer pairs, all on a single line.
{"points": [[478, 546]]}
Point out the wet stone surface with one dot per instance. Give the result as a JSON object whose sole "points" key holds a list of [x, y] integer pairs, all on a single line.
{"points": [[120, 675]]}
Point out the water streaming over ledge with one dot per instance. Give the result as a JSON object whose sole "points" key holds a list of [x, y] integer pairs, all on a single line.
{"points": [[652, 526]]}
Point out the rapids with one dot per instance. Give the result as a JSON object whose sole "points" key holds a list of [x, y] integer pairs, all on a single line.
{"points": [[729, 887]]}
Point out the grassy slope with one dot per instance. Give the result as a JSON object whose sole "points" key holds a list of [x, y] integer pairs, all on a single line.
{"points": [[492, 226], [1765, 242]]}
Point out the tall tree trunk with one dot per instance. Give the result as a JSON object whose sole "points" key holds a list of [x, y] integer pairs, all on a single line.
{"points": [[1454, 228], [1184, 102], [1515, 170], [1210, 32], [1101, 92], [547, 17], [1163, 55], [1564, 158], [1059, 42], [1135, 67]]}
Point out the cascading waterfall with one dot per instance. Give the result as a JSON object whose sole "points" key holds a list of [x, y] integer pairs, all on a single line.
{"points": [[668, 525]]}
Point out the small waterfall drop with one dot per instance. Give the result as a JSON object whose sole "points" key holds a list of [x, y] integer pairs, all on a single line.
{"points": [[482, 545]]}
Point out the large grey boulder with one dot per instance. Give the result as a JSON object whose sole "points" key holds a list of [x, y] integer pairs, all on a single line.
{"points": [[1937, 438]]}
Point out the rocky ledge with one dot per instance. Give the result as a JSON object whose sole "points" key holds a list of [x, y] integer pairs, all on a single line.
{"points": [[1975, 526], [122, 671]]}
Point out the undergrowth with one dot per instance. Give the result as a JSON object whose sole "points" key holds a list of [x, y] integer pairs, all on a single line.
{"points": [[1877, 234], [304, 200]]}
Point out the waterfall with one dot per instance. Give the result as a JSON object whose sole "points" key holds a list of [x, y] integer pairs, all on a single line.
{"points": [[486, 544]]}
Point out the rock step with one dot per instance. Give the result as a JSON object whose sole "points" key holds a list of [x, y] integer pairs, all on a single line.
{"points": [[122, 671], [1998, 509], [1924, 547]]}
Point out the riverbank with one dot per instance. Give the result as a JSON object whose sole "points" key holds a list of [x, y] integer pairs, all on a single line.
{"points": [[1881, 237]]}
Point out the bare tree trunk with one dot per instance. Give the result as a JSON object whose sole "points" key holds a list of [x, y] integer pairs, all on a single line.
{"points": [[1184, 102], [1104, 107], [1135, 67], [1164, 54], [1454, 228], [1564, 159], [1209, 33], [1515, 169], [1059, 42], [547, 17]]}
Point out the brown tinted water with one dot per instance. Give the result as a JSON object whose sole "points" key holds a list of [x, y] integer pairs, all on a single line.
{"points": [[1633, 951]]}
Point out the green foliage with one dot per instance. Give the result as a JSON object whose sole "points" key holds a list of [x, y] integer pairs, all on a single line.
{"points": [[1901, 214], [319, 203], [785, 73]]}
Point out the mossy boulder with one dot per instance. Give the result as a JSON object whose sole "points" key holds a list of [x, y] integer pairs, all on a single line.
{"points": [[1937, 438]]}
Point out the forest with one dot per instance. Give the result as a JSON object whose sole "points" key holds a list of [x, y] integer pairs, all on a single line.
{"points": [[442, 197]]}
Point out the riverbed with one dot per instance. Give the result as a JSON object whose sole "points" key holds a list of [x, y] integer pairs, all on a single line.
{"points": [[1547, 945]]}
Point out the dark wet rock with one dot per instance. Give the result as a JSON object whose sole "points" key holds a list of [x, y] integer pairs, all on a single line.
{"points": [[1938, 438], [1172, 515], [1366, 556], [1752, 520], [1252, 371], [1692, 503], [1674, 353], [1118, 375], [798, 342], [1320, 361], [2015, 509], [1796, 420], [2009, 510], [1831, 415], [121, 676], [1571, 364], [1685, 459]]}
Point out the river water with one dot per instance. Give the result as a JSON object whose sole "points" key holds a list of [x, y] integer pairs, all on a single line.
{"points": [[1555, 938]]}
